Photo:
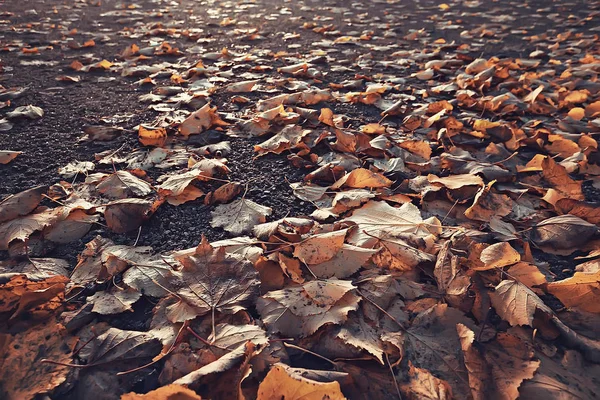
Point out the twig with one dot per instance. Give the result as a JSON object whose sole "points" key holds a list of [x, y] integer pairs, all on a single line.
{"points": [[387, 359], [292, 346]]}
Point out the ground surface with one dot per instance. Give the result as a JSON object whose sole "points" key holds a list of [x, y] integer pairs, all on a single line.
{"points": [[204, 46]]}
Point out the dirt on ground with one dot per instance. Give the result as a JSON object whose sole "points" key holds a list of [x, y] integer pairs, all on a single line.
{"points": [[102, 71]]}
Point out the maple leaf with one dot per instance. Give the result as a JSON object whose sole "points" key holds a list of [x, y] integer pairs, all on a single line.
{"points": [[299, 311], [212, 280]]}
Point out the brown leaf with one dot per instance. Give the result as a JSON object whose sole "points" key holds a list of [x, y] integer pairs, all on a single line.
{"points": [[498, 255], [212, 280], [564, 232], [584, 210], [299, 311], [123, 184], [22, 228], [232, 336], [117, 347], [362, 178], [169, 392], [7, 156], [479, 374], [488, 204], [380, 220], [358, 333], [199, 121], [348, 260], [282, 383], [582, 291], [127, 214], [557, 176], [424, 385], [239, 216], [321, 247], [22, 374], [223, 364], [511, 362], [113, 301], [432, 343], [35, 269], [148, 136], [21, 203]]}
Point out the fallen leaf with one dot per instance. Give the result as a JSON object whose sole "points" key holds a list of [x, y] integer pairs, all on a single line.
{"points": [[281, 382], [424, 385], [565, 232], [580, 291], [21, 203], [362, 178], [29, 112], [348, 260], [113, 301], [117, 347], [498, 255], [299, 311], [149, 136], [7, 156], [239, 216], [380, 220], [127, 214], [321, 247], [212, 280], [516, 303], [206, 117], [169, 392], [22, 228], [23, 374]]}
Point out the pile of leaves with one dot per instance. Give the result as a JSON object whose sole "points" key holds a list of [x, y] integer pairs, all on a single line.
{"points": [[420, 273]]}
